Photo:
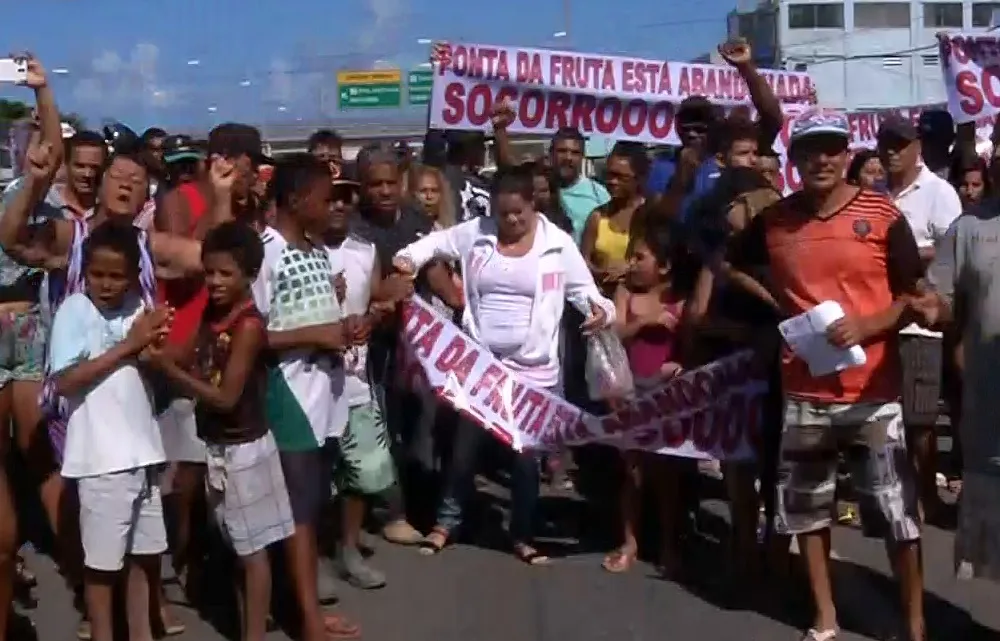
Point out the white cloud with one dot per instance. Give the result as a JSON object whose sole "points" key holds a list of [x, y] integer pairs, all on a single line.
{"points": [[280, 81], [386, 18], [115, 81]]}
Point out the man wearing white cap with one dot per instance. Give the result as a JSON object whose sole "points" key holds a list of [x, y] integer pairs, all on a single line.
{"points": [[835, 242]]}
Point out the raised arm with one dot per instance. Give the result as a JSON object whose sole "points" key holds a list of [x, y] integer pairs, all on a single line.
{"points": [[502, 118], [769, 116], [48, 113], [222, 175], [15, 238]]}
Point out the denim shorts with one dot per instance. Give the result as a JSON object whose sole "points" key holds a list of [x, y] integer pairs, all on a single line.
{"points": [[23, 338]]}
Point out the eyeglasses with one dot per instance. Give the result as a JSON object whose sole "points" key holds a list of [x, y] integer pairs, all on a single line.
{"points": [[693, 127]]}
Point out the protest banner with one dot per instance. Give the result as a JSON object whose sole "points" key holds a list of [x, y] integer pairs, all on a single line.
{"points": [[623, 98], [970, 63], [864, 130], [712, 412]]}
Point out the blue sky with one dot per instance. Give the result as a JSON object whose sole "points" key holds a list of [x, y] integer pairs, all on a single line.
{"points": [[169, 62]]}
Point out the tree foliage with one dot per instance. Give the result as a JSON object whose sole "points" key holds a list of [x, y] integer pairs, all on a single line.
{"points": [[13, 110]]}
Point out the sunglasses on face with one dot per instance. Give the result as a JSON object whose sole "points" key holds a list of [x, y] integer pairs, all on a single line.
{"points": [[693, 127]]}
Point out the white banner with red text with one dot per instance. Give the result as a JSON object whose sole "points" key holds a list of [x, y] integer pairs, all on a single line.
{"points": [[864, 128], [622, 98], [970, 63], [712, 412]]}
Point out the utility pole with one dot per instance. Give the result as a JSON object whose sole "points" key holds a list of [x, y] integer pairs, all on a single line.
{"points": [[566, 20]]}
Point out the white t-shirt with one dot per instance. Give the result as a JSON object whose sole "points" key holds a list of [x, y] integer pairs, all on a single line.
{"points": [[111, 427], [295, 288], [930, 204], [507, 288], [506, 295], [358, 258]]}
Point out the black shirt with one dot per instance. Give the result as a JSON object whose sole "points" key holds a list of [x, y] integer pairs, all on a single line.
{"points": [[409, 226], [388, 240]]}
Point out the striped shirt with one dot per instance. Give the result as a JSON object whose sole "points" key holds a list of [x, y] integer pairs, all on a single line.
{"points": [[861, 256]]}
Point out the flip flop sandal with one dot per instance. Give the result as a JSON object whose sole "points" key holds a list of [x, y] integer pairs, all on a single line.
{"points": [[338, 627], [24, 575], [531, 556], [172, 628], [83, 632], [618, 562], [848, 517], [431, 547]]}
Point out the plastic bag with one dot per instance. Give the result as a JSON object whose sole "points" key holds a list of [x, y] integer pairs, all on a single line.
{"points": [[607, 369]]}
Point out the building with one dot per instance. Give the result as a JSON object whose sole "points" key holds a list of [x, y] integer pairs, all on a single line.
{"points": [[861, 53], [710, 58]]}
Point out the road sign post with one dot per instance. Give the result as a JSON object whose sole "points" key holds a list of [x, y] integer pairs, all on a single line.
{"points": [[418, 87], [369, 89]]}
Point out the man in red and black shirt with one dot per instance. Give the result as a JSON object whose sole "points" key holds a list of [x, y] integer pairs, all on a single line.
{"points": [[835, 242]]}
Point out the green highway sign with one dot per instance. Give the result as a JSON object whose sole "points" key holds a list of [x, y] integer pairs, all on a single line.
{"points": [[366, 89], [418, 86]]}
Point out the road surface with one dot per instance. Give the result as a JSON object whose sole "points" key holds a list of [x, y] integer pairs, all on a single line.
{"points": [[475, 593]]}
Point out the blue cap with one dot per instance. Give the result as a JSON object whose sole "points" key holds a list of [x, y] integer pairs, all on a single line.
{"points": [[820, 121]]}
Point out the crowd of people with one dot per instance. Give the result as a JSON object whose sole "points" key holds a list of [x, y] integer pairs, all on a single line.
{"points": [[201, 341]]}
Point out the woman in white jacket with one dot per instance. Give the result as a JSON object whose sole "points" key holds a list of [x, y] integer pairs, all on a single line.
{"points": [[518, 270]]}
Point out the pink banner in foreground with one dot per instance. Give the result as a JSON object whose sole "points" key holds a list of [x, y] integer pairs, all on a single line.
{"points": [[712, 412]]}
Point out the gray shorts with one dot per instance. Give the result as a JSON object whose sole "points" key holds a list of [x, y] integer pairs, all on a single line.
{"points": [[121, 514], [874, 443], [247, 494], [921, 358]]}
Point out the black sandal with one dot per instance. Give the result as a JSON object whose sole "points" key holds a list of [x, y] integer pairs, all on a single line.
{"points": [[429, 547]]}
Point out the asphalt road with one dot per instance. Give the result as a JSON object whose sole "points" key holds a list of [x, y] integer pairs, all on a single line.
{"points": [[475, 593]]}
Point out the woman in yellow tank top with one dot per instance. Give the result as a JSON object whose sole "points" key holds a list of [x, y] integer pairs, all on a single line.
{"points": [[606, 237]]}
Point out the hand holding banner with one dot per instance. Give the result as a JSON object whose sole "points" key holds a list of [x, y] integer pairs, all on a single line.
{"points": [[709, 412], [624, 98]]}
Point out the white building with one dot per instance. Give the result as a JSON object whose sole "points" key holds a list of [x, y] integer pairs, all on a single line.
{"points": [[862, 53]]}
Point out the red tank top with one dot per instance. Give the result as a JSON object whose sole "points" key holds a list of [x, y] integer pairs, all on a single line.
{"points": [[651, 347], [188, 296]]}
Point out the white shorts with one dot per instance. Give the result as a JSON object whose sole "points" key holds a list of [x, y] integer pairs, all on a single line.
{"points": [[121, 514], [180, 432], [248, 496]]}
